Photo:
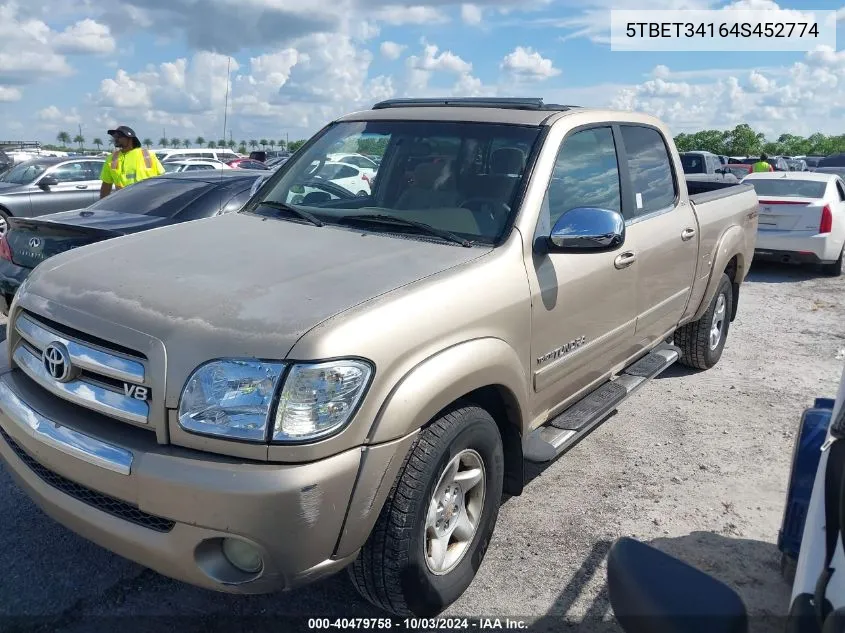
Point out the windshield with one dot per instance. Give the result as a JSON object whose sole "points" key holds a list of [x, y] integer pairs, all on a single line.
{"points": [[693, 163], [454, 176], [24, 173], [163, 197], [788, 187]]}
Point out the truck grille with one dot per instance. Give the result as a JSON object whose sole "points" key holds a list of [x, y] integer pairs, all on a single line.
{"points": [[81, 370], [98, 500]]}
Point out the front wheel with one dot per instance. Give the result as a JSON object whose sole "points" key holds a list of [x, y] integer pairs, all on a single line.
{"points": [[701, 342], [436, 524]]}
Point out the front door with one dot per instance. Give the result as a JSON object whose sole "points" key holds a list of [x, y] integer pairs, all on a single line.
{"points": [[79, 186], [583, 304], [661, 229]]}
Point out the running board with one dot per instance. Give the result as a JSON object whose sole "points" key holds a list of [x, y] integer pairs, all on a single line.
{"points": [[568, 428]]}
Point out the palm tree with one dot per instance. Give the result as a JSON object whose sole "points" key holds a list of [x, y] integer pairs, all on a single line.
{"points": [[242, 147], [263, 143], [232, 145], [272, 144], [175, 142], [199, 141], [148, 142], [186, 143], [212, 145], [80, 140], [98, 142], [163, 141], [221, 142], [63, 138], [253, 143]]}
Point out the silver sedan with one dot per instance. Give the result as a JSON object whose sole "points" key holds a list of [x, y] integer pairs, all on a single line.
{"points": [[48, 185]]}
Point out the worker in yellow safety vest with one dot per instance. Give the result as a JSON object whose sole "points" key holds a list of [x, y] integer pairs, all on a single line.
{"points": [[762, 164], [129, 163]]}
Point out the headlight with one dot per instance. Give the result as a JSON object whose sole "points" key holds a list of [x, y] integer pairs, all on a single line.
{"points": [[234, 399], [318, 399], [231, 398]]}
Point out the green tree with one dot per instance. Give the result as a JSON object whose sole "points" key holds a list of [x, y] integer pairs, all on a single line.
{"points": [[253, 143], [79, 140], [263, 143], [295, 145], [744, 141], [175, 142], [231, 144], [211, 145], [63, 138], [98, 143], [221, 142], [282, 144], [186, 143], [200, 141], [147, 142], [163, 141], [271, 143]]}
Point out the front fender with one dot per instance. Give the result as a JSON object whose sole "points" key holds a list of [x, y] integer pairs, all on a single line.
{"points": [[445, 377], [731, 244]]}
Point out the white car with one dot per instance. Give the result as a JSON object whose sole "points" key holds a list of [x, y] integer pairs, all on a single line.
{"points": [[802, 218], [366, 165], [351, 178], [193, 164]]}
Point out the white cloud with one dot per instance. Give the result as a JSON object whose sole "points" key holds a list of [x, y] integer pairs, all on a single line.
{"points": [[397, 15], [8, 94], [86, 36], [392, 50], [446, 61], [27, 53], [471, 14], [52, 115], [527, 63]]}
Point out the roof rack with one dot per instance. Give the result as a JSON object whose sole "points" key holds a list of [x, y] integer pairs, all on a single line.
{"points": [[512, 103]]}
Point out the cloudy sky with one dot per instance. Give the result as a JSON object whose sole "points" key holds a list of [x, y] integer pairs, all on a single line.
{"points": [[160, 65]]}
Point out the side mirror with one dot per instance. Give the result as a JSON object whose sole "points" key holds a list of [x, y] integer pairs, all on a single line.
{"points": [[653, 592], [48, 181], [588, 229]]}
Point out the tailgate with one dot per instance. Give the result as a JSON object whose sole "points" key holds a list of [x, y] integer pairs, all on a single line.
{"points": [[789, 214], [32, 241]]}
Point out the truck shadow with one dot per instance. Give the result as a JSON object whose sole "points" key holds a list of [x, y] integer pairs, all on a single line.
{"points": [[750, 567], [775, 273]]}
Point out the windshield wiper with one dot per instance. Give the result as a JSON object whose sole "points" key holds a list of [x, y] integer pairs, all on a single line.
{"points": [[281, 206], [383, 218]]}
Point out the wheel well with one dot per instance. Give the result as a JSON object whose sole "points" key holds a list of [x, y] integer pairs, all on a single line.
{"points": [[500, 402], [732, 271]]}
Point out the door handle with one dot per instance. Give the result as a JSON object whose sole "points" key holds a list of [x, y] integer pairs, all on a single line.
{"points": [[687, 234], [625, 259], [81, 186]]}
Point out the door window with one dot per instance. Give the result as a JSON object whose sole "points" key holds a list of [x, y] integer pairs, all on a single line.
{"points": [[586, 174], [652, 177], [73, 172], [841, 190]]}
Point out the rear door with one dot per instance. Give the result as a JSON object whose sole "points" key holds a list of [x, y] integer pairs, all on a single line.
{"points": [[661, 229]]}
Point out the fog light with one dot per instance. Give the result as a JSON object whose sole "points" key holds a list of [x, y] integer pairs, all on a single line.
{"points": [[242, 555]]}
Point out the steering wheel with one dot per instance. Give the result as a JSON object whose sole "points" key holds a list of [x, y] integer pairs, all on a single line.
{"points": [[486, 211]]}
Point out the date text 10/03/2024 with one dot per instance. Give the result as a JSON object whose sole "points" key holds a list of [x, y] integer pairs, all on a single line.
{"points": [[419, 624]]}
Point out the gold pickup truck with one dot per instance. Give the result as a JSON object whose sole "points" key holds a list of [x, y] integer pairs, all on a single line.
{"points": [[329, 380]]}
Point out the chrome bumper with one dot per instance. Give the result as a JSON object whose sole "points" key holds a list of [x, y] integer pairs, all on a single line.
{"points": [[62, 438]]}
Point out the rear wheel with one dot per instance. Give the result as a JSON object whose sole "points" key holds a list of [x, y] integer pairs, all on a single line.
{"points": [[834, 269], [4, 224], [436, 524], [701, 342]]}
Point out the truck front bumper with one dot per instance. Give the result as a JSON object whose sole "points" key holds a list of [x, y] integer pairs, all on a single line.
{"points": [[170, 509]]}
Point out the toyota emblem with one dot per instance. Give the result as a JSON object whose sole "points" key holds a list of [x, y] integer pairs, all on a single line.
{"points": [[56, 361], [35, 242]]}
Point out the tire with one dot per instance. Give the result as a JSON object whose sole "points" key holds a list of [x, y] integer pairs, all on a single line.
{"points": [[694, 339], [834, 269], [392, 572], [4, 225], [362, 194]]}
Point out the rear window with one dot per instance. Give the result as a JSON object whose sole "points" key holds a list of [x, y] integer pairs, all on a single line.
{"points": [[162, 197], [693, 164], [787, 188]]}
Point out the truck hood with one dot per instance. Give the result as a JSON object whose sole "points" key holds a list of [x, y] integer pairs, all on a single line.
{"points": [[233, 285]]}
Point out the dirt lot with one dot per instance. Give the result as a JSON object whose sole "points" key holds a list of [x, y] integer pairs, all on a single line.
{"points": [[695, 463]]}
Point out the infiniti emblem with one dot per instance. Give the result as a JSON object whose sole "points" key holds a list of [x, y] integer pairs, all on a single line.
{"points": [[57, 361], [35, 242]]}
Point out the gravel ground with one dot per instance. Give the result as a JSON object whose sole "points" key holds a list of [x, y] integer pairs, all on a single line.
{"points": [[696, 464]]}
